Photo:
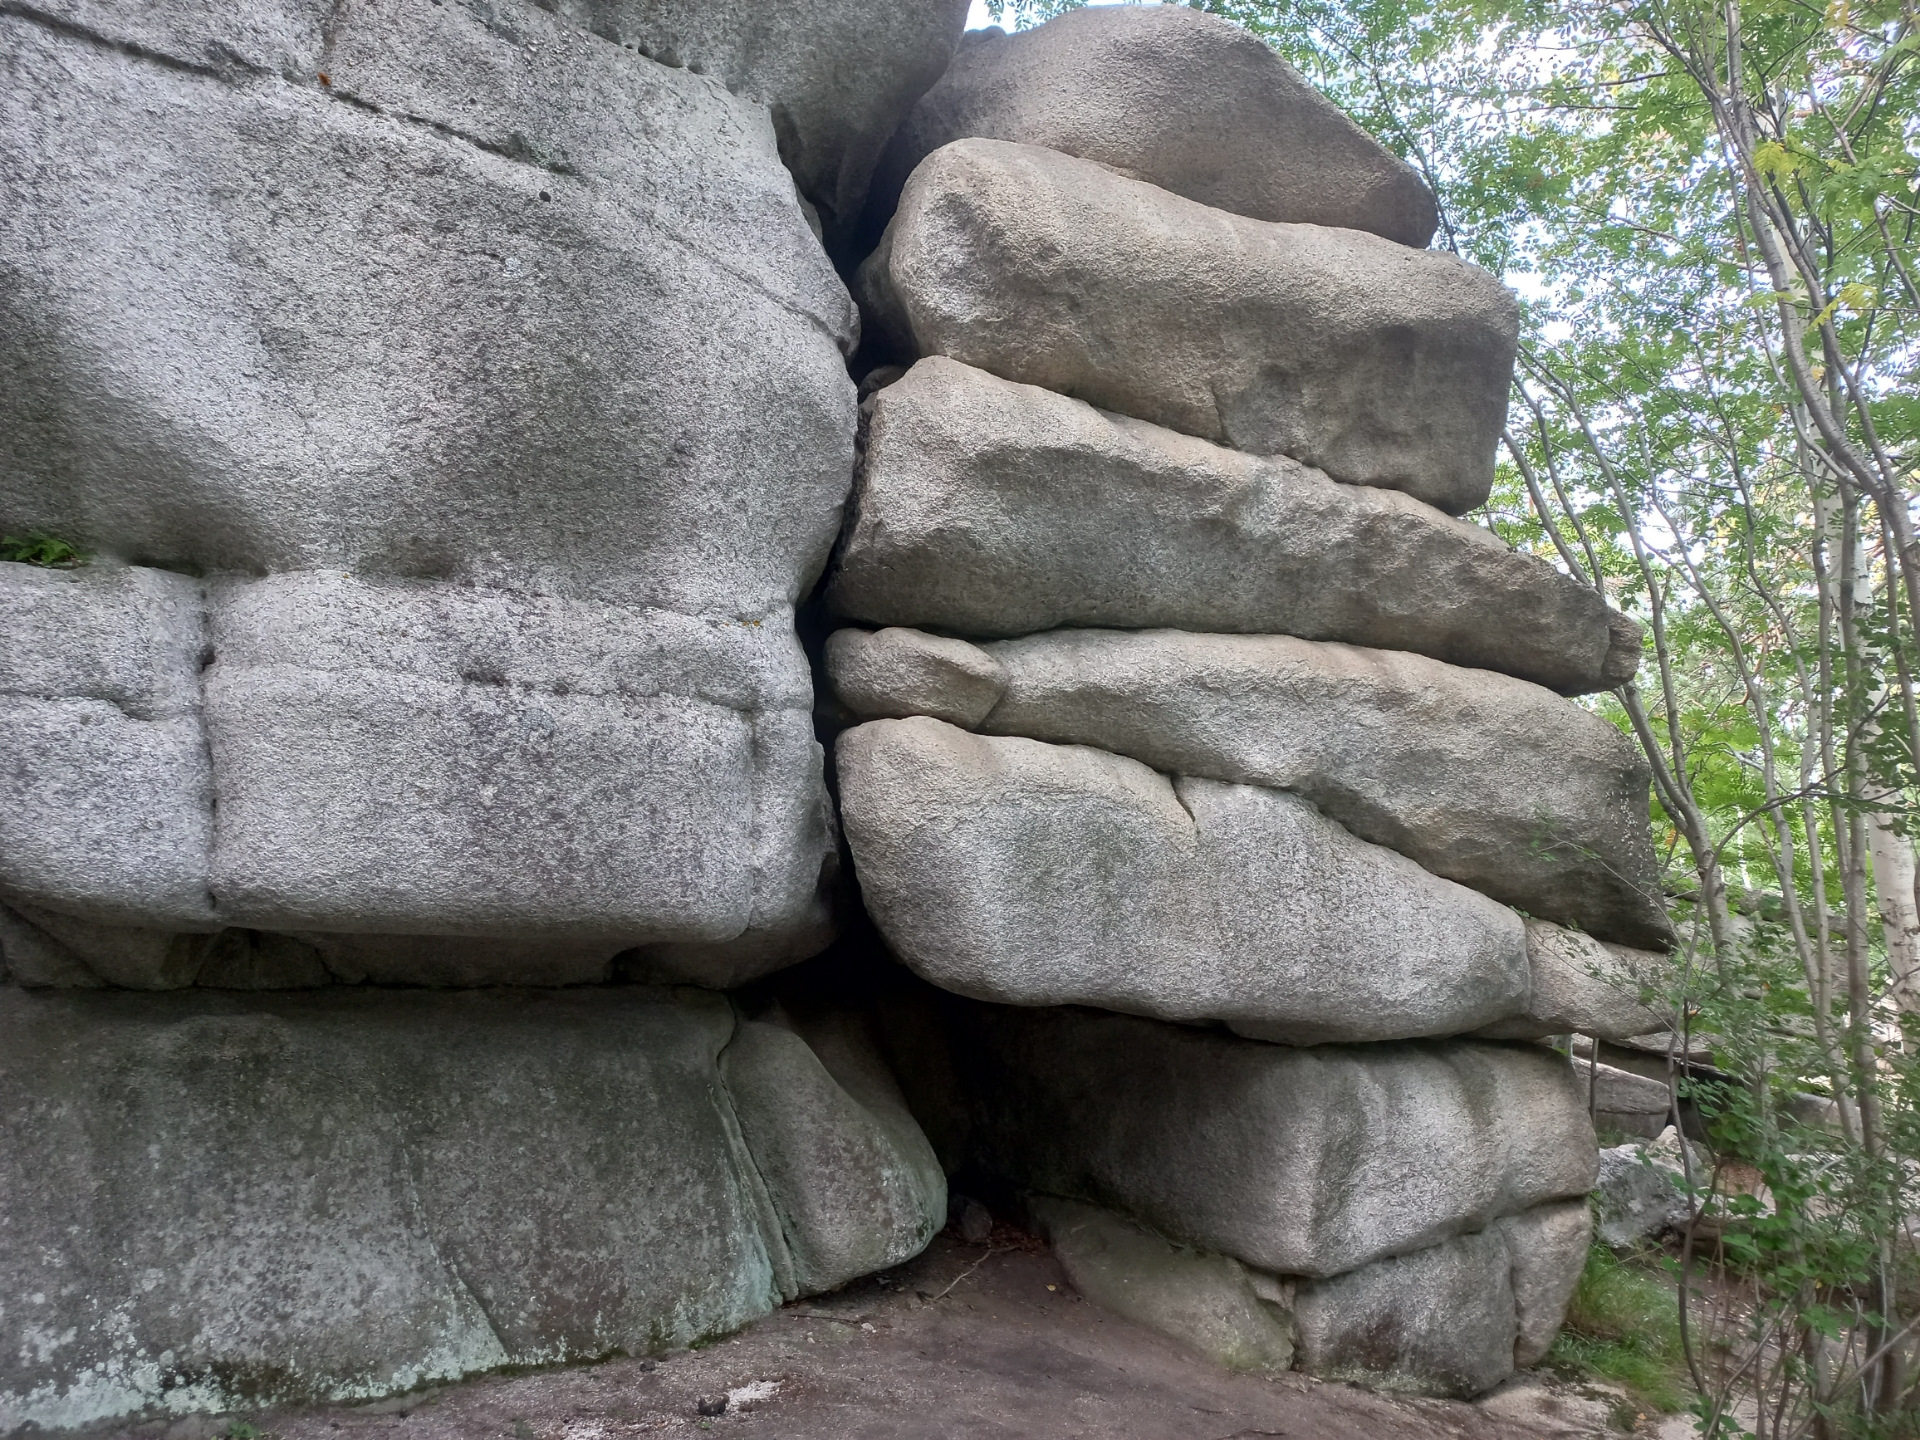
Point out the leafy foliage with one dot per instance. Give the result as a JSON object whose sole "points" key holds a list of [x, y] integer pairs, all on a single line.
{"points": [[38, 549]]}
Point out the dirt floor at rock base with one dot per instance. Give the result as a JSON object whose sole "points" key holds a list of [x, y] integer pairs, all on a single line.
{"points": [[968, 1342]]}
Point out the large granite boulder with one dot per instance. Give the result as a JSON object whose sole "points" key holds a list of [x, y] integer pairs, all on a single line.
{"points": [[629, 391], [1176, 97], [1036, 874], [1300, 1162], [1378, 364], [1484, 779], [538, 425], [991, 508], [209, 1202]]}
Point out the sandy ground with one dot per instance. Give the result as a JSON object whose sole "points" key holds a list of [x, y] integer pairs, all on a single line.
{"points": [[966, 1341]]}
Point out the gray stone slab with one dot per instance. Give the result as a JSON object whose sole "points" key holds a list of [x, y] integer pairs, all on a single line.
{"points": [[1482, 778], [1033, 874], [991, 508], [1378, 364]]}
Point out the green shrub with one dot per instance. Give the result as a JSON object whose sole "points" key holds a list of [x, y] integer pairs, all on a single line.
{"points": [[35, 548]]}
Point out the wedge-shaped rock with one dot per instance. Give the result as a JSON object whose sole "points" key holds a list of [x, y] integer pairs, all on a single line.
{"points": [[450, 761], [1582, 986], [992, 509], [896, 672], [559, 326], [1482, 778], [1176, 97], [1301, 1162], [105, 790], [1034, 874], [1210, 1304], [356, 1193], [1378, 364]]}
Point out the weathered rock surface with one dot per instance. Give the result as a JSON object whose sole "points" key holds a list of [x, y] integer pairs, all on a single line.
{"points": [[426, 759], [853, 1181], [1175, 97], [893, 673], [1299, 1162], [1484, 779], [1455, 1318], [1548, 1249], [1582, 986], [997, 509], [539, 425], [1379, 364], [1011, 870], [632, 390], [838, 78], [1438, 1321], [589, 772], [105, 789], [208, 1202], [1213, 1305]]}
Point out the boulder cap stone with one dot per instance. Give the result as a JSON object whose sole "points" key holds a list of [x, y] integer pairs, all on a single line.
{"points": [[990, 508], [1025, 873], [1378, 364], [1178, 98]]}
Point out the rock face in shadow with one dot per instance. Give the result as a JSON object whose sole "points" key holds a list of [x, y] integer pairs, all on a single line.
{"points": [[1177, 98], [1378, 364], [992, 509], [207, 1201], [1301, 1162]]}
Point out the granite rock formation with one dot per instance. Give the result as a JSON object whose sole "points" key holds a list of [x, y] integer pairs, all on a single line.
{"points": [[461, 417]]}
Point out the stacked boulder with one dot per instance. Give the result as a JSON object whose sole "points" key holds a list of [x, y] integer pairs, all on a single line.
{"points": [[1196, 730], [451, 401]]}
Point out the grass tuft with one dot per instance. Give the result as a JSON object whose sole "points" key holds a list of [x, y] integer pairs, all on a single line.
{"points": [[1622, 1327]]}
